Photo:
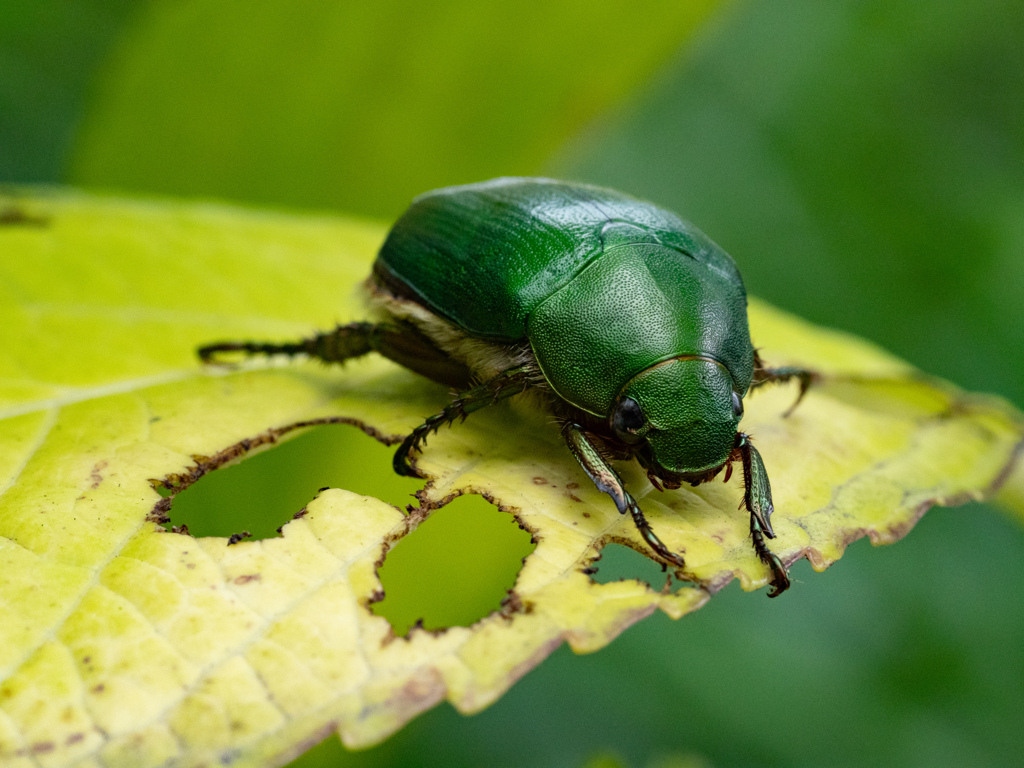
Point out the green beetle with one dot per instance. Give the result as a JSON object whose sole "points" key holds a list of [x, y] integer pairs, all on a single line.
{"points": [[628, 322]]}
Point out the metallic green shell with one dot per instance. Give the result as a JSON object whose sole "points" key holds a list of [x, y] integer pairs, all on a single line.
{"points": [[601, 285]]}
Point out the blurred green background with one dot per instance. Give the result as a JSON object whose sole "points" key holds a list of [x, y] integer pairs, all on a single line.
{"points": [[863, 161]]}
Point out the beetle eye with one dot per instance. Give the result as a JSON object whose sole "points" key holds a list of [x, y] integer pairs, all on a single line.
{"points": [[627, 420], [737, 404]]}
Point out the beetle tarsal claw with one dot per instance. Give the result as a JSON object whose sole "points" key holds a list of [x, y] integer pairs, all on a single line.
{"points": [[648, 535], [780, 576], [780, 579]]}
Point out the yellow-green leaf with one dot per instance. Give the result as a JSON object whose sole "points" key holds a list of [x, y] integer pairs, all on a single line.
{"points": [[124, 642]]}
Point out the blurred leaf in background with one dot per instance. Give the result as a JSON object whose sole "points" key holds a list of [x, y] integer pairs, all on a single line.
{"points": [[48, 53], [863, 160], [361, 106]]}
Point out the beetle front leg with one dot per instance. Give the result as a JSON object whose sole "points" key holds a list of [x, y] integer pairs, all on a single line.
{"points": [[608, 481], [757, 495], [506, 384]]}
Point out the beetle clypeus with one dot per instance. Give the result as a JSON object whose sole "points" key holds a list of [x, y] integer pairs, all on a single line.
{"points": [[629, 323]]}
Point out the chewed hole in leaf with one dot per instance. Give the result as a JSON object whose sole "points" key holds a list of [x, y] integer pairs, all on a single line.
{"points": [[454, 569], [619, 562], [265, 490]]}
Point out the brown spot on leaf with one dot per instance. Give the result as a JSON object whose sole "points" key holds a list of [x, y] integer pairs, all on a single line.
{"points": [[13, 215], [424, 688], [42, 747], [540, 481], [513, 604], [160, 513], [237, 537], [97, 473], [419, 627], [300, 514], [247, 577], [74, 738]]}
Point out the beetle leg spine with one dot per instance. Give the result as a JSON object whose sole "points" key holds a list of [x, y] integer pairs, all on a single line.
{"points": [[651, 537], [506, 384], [209, 352], [764, 375], [335, 346]]}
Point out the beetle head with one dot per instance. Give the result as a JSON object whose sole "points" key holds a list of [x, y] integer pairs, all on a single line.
{"points": [[681, 415]]}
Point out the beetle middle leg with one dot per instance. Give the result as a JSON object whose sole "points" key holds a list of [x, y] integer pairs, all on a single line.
{"points": [[765, 375], [608, 481], [506, 384], [757, 497]]}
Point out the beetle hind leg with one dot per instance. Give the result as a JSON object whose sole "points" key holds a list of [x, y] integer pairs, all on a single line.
{"points": [[399, 342], [342, 343]]}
